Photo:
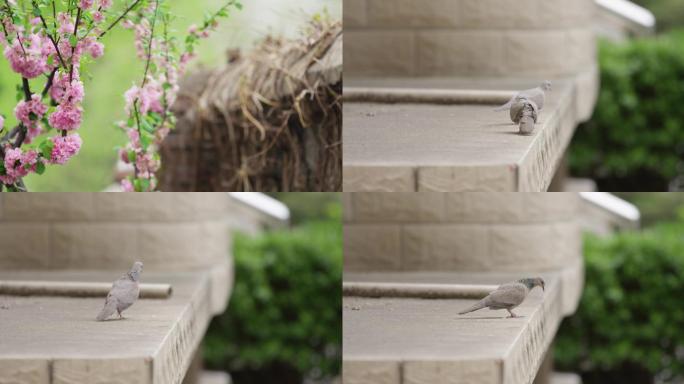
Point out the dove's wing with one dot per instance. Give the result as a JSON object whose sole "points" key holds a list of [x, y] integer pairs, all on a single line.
{"points": [[507, 296], [109, 307], [536, 95]]}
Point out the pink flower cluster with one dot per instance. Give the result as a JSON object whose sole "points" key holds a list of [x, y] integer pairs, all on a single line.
{"points": [[65, 147], [30, 49], [149, 98], [29, 55], [157, 93], [30, 113], [18, 164]]}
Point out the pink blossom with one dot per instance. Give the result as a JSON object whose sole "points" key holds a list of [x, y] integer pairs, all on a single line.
{"points": [[64, 92], [25, 111], [12, 166], [18, 164], [33, 131], [35, 21], [94, 48], [127, 186], [86, 4], [134, 137], [29, 160], [65, 147], [148, 98], [98, 17], [131, 96], [105, 4], [67, 117], [26, 56], [66, 24]]}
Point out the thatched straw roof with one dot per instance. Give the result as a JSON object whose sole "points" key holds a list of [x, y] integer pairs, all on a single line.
{"points": [[269, 121]]}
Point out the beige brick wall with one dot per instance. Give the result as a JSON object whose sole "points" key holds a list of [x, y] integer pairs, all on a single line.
{"points": [[468, 37], [427, 231], [101, 230]]}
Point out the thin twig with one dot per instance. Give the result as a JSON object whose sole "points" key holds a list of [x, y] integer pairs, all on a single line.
{"points": [[129, 9], [52, 39], [48, 84], [149, 44], [73, 48]]}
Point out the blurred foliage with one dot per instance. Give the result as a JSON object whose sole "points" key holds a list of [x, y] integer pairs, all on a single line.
{"points": [[669, 13], [628, 327], [656, 207], [310, 205], [635, 140], [284, 319]]}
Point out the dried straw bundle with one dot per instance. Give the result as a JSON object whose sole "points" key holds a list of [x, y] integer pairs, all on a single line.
{"points": [[269, 121]]}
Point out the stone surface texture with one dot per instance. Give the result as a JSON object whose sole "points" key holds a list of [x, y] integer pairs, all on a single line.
{"points": [[468, 37], [398, 341], [462, 147], [58, 338]]}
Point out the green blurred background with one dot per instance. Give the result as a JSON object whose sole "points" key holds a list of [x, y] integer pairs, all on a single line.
{"points": [[629, 327], [635, 139], [112, 75], [284, 319]]}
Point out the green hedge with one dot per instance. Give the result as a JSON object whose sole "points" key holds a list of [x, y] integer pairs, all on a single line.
{"points": [[284, 320], [629, 327], [635, 139]]}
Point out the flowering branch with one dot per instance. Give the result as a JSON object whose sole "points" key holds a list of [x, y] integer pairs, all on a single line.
{"points": [[34, 49], [148, 104]]}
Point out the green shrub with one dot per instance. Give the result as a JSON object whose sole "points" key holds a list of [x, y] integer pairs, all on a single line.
{"points": [[628, 327], [284, 320], [634, 141]]}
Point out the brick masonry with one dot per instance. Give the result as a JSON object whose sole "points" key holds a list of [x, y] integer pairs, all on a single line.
{"points": [[94, 231], [461, 231], [468, 37]]}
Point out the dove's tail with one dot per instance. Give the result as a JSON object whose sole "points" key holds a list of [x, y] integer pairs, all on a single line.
{"points": [[503, 107], [108, 310], [479, 305]]}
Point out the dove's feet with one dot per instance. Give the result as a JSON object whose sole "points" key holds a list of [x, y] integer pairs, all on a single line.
{"points": [[513, 315]]}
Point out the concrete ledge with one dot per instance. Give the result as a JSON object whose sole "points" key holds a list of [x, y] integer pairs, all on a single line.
{"points": [[426, 96], [214, 377], [565, 378], [408, 340], [46, 340], [437, 147]]}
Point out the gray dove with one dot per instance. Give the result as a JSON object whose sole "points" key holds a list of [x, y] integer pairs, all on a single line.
{"points": [[535, 94], [507, 296], [124, 293], [524, 112]]}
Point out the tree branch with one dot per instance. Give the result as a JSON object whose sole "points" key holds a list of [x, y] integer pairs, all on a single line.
{"points": [[112, 25]]}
